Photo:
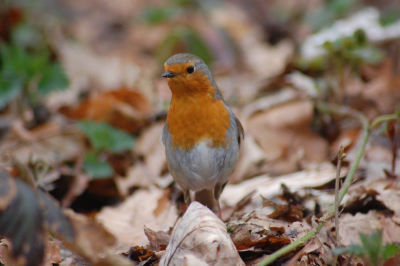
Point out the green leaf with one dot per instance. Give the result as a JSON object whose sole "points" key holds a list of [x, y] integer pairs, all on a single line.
{"points": [[14, 62], [95, 168], [197, 46], [105, 137], [373, 245], [356, 250], [390, 250], [9, 89], [53, 78], [157, 15], [186, 39], [368, 54], [27, 36]]}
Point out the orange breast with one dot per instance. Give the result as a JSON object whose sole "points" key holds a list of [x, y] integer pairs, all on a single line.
{"points": [[192, 118]]}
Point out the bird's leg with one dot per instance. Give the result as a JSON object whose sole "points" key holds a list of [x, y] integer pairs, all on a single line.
{"points": [[187, 200], [217, 193], [219, 210], [186, 197]]}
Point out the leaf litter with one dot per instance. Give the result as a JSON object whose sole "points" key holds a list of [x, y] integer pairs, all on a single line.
{"points": [[126, 200]]}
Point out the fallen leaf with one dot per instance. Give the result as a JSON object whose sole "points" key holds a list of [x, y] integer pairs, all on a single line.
{"points": [[142, 255], [93, 242], [127, 220], [158, 240], [52, 253], [288, 212], [247, 235], [201, 237], [287, 140], [268, 186], [251, 159], [123, 108], [350, 227]]}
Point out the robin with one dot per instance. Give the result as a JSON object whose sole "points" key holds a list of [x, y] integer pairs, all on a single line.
{"points": [[201, 135]]}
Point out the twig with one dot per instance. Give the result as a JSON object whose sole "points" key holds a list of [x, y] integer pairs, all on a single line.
{"points": [[341, 156], [349, 178]]}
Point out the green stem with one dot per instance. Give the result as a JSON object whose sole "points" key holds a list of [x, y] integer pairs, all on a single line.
{"points": [[383, 118]]}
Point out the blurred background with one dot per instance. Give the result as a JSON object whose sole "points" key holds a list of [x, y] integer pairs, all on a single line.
{"points": [[82, 101]]}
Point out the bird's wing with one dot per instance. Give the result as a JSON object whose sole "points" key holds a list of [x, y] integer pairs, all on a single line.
{"points": [[240, 130]]}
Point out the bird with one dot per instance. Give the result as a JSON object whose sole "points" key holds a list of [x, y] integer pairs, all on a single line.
{"points": [[202, 135]]}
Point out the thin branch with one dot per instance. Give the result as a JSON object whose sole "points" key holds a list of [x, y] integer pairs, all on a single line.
{"points": [[341, 156]]}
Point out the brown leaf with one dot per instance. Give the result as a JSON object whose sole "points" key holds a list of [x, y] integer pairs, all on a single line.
{"points": [[202, 238], [158, 240], [52, 253], [93, 242], [286, 212], [270, 186], [142, 254], [246, 236], [122, 108], [126, 220], [285, 136]]}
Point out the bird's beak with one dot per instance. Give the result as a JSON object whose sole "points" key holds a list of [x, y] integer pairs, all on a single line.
{"points": [[169, 74]]}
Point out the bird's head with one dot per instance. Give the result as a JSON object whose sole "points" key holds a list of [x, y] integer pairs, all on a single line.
{"points": [[188, 74]]}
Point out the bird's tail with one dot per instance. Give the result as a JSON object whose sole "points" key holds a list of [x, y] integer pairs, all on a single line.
{"points": [[206, 197]]}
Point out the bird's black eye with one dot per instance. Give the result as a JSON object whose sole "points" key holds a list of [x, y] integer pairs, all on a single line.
{"points": [[190, 70]]}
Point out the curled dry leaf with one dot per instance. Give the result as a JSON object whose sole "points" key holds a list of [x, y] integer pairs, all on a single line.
{"points": [[142, 255], [247, 235], [202, 238], [158, 240], [288, 212], [256, 235]]}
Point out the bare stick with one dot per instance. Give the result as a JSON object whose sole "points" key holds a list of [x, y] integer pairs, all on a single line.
{"points": [[341, 156]]}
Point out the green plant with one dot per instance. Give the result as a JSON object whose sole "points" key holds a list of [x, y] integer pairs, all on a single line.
{"points": [[371, 249], [28, 70], [103, 138]]}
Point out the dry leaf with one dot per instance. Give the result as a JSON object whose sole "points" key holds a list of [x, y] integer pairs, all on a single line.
{"points": [[268, 186], [52, 253], [123, 108], [351, 226], [127, 220], [247, 235], [251, 159], [284, 135], [200, 237], [158, 240], [50, 143], [93, 242]]}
